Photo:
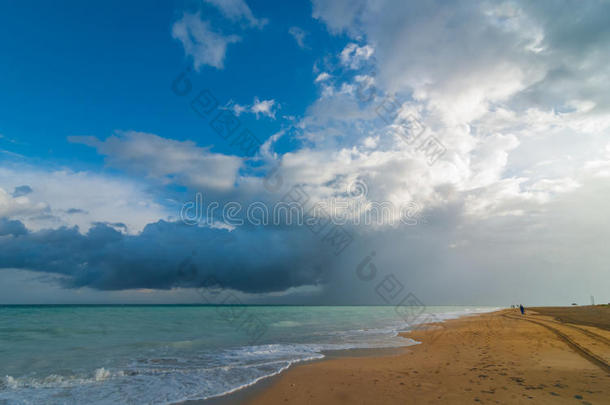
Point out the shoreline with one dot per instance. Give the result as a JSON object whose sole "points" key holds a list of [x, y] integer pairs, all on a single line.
{"points": [[245, 394], [497, 357], [242, 395]]}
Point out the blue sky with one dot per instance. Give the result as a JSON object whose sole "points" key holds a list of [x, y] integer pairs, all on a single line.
{"points": [[84, 70], [98, 155]]}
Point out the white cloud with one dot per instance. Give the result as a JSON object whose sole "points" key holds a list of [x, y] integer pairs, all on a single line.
{"points": [[468, 81], [264, 107], [322, 77], [203, 44], [339, 15], [11, 206], [236, 10], [299, 35], [354, 56], [67, 198], [258, 107], [167, 160], [238, 109], [517, 92]]}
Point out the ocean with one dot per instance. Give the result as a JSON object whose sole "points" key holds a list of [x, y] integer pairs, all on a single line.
{"points": [[163, 354]]}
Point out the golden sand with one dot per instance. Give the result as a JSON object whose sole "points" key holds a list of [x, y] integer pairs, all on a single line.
{"points": [[501, 357]]}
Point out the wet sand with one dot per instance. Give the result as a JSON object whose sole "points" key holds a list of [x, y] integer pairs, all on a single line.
{"points": [[550, 355], [597, 316]]}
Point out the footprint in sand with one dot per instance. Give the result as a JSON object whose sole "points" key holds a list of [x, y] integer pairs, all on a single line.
{"points": [[518, 380]]}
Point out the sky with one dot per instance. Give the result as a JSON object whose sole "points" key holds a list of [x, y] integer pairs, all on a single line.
{"points": [[458, 151]]}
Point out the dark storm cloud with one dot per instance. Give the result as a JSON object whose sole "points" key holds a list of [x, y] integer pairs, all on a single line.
{"points": [[22, 190], [169, 254], [9, 227], [73, 211]]}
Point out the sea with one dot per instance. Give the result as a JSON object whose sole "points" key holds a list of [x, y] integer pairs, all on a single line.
{"points": [[166, 354]]}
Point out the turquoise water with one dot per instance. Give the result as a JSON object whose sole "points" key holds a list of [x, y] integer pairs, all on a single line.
{"points": [[166, 354]]}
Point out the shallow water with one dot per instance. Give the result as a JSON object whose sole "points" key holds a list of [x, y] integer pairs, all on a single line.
{"points": [[165, 354]]}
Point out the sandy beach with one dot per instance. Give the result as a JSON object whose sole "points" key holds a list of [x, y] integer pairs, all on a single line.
{"points": [[551, 355]]}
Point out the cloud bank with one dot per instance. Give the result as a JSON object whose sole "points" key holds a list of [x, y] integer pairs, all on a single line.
{"points": [[167, 255], [516, 92]]}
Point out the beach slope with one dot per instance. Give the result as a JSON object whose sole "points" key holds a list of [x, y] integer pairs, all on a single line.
{"points": [[550, 355]]}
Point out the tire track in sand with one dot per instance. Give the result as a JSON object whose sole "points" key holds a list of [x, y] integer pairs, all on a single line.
{"points": [[581, 350]]}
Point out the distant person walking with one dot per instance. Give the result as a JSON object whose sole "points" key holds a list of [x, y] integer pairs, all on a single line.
{"points": [[522, 309]]}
